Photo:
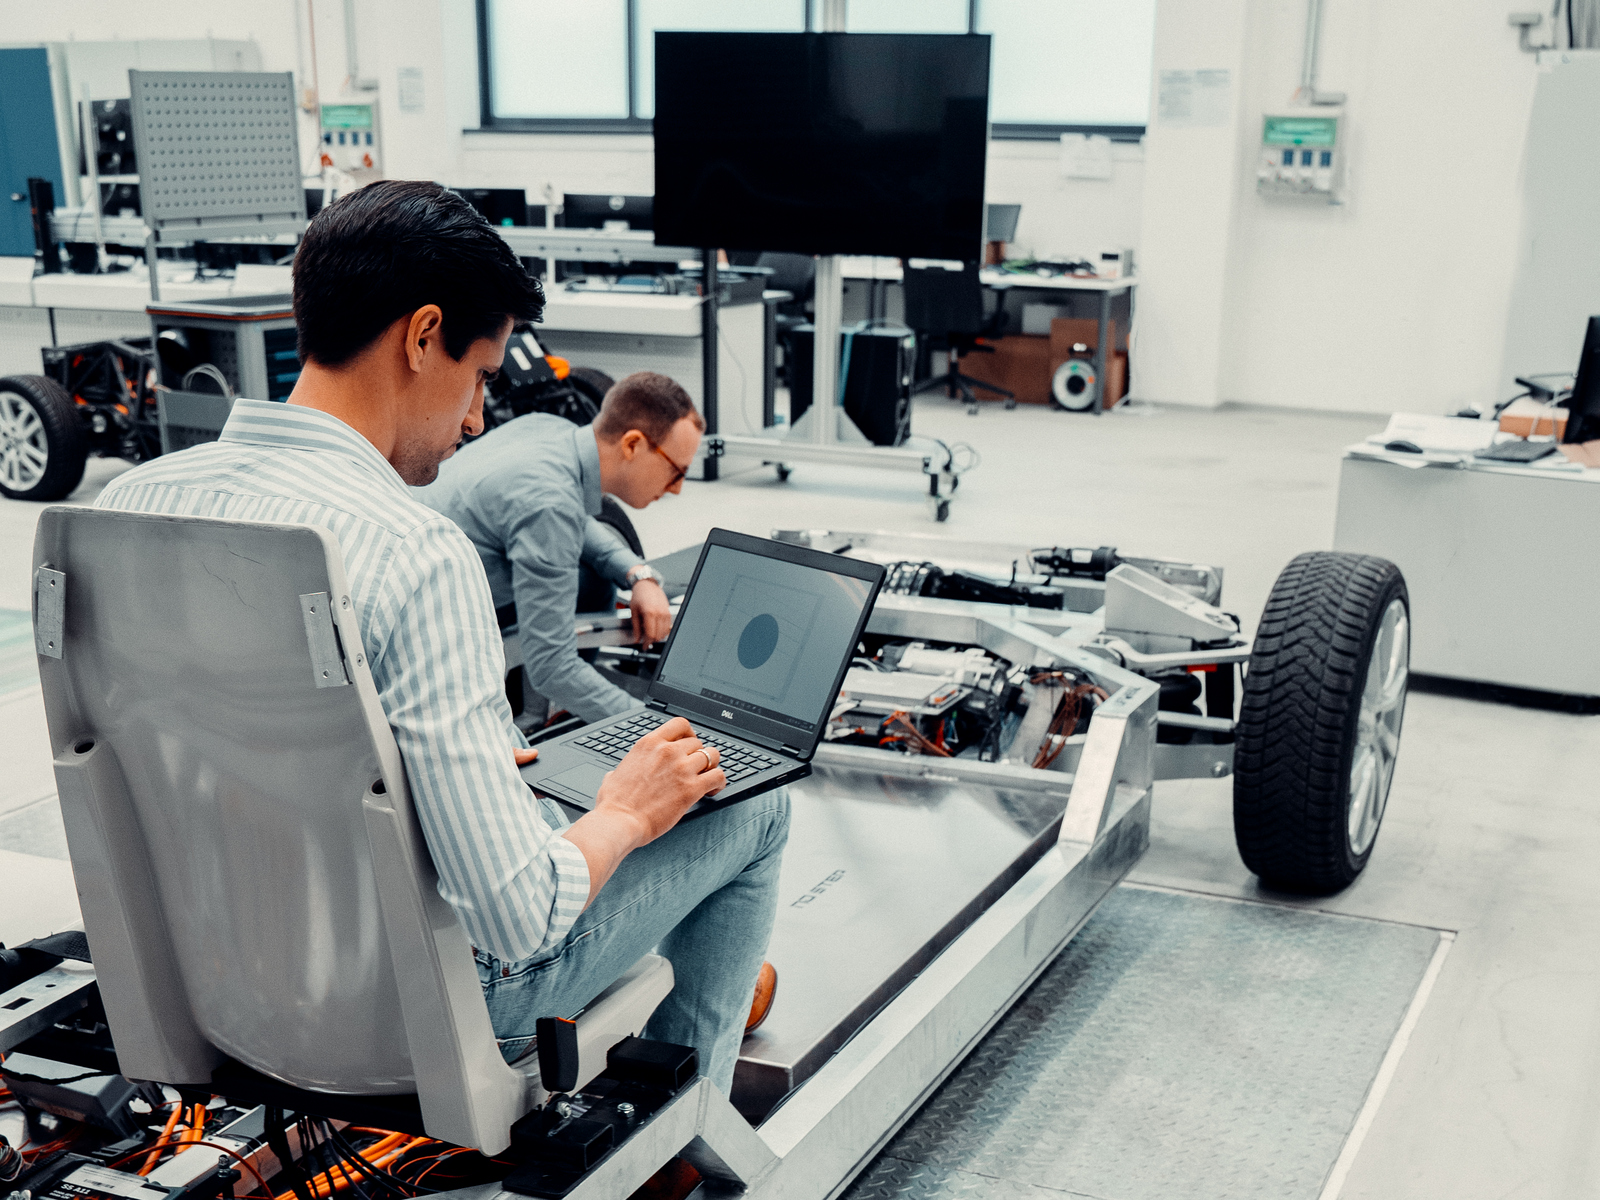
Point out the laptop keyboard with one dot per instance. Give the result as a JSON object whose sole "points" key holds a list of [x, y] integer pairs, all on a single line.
{"points": [[738, 760]]}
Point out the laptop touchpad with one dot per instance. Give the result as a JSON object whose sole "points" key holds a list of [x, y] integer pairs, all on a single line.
{"points": [[583, 780]]}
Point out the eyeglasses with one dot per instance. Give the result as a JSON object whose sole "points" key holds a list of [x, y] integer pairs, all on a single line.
{"points": [[677, 471]]}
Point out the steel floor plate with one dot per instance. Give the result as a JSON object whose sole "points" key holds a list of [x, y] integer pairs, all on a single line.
{"points": [[1181, 1046]]}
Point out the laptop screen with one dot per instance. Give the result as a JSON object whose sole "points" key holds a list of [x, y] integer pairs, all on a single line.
{"points": [[765, 636]]}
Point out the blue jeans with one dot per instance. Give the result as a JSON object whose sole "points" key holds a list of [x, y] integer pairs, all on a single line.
{"points": [[703, 895]]}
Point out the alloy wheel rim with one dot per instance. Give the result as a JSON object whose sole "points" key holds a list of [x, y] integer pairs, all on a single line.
{"points": [[1383, 701], [24, 447]]}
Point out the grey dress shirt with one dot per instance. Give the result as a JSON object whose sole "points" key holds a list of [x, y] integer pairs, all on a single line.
{"points": [[526, 495]]}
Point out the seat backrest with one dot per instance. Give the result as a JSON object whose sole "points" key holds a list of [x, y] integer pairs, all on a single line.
{"points": [[252, 877], [942, 301], [790, 272]]}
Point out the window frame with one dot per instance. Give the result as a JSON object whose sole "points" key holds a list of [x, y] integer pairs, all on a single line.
{"points": [[489, 122]]}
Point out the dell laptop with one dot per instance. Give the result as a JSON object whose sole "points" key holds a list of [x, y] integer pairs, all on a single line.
{"points": [[755, 660]]}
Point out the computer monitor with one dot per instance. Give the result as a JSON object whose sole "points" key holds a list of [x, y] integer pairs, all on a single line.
{"points": [[822, 143], [499, 206], [1000, 222], [1583, 409], [581, 210]]}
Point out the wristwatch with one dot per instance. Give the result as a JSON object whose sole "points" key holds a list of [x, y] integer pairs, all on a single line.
{"points": [[645, 571]]}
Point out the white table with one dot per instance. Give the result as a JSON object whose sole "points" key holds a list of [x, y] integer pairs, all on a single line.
{"points": [[1004, 282], [620, 332], [1500, 562], [64, 310]]}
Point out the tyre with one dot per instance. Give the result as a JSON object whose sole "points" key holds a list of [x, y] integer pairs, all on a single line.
{"points": [[1319, 721], [43, 446], [591, 384]]}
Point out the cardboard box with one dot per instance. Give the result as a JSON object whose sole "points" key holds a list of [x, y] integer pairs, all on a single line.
{"points": [[1020, 363], [1528, 417]]}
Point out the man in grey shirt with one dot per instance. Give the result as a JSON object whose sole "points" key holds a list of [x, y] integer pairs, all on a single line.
{"points": [[527, 495]]}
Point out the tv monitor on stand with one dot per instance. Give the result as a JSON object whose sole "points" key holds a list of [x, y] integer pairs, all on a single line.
{"points": [[822, 143], [1583, 406]]}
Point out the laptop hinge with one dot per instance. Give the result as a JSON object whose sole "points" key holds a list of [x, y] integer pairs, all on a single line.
{"points": [[658, 705], [792, 750]]}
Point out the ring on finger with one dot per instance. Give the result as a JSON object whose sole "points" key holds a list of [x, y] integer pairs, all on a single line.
{"points": [[707, 753]]}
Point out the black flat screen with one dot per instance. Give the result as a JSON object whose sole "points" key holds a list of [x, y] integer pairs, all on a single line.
{"points": [[822, 143]]}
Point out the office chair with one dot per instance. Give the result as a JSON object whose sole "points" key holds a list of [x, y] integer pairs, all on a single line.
{"points": [[797, 275], [261, 908], [947, 306]]}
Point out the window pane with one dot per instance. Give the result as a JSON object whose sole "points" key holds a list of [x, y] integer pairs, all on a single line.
{"points": [[906, 16], [557, 58], [1070, 62], [720, 16]]}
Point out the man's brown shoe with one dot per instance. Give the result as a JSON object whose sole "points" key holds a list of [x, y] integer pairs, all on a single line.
{"points": [[766, 986]]}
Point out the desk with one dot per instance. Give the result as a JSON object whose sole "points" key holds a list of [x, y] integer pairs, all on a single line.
{"points": [[622, 332], [1004, 282], [1499, 561], [879, 272], [64, 310]]}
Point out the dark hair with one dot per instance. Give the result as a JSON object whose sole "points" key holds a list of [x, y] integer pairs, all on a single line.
{"points": [[382, 252], [645, 401]]}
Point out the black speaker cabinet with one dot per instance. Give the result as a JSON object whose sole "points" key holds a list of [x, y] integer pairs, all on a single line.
{"points": [[877, 393]]}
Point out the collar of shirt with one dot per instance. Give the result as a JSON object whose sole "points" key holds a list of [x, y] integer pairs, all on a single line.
{"points": [[583, 438], [273, 423]]}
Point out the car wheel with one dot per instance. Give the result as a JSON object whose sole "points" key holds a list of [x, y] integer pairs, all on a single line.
{"points": [[1319, 722], [43, 447]]}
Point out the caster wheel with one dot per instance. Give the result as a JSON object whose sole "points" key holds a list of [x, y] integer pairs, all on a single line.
{"points": [[783, 473], [941, 510]]}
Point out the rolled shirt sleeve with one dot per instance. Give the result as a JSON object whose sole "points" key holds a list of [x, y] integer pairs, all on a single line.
{"points": [[545, 543], [607, 553]]}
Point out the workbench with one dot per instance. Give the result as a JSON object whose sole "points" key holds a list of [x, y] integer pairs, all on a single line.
{"points": [[1499, 560]]}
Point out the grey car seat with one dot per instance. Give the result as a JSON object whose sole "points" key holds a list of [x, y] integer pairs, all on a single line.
{"points": [[257, 894]]}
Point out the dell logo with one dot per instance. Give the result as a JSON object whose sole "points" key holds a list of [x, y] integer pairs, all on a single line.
{"points": [[726, 715]]}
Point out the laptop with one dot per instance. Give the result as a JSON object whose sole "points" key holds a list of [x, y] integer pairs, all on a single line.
{"points": [[755, 661]]}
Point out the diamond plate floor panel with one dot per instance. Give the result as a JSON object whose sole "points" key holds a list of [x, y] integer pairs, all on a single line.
{"points": [[1181, 1046]]}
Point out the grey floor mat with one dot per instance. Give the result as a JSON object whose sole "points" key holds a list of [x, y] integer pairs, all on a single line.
{"points": [[17, 668], [1181, 1046]]}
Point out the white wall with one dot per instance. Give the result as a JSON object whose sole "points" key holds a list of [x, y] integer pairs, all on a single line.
{"points": [[1397, 299]]}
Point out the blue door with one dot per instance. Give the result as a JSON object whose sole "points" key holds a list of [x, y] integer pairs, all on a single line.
{"points": [[28, 143]]}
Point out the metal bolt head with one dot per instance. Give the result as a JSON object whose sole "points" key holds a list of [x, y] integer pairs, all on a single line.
{"points": [[1218, 770], [563, 1108], [624, 1109]]}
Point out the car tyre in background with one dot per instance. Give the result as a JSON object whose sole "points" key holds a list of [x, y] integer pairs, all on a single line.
{"points": [[43, 447], [1319, 721], [591, 385]]}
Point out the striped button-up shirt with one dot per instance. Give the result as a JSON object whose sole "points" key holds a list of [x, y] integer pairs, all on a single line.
{"points": [[434, 648]]}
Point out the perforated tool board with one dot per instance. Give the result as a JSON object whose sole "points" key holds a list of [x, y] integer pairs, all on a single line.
{"points": [[218, 151]]}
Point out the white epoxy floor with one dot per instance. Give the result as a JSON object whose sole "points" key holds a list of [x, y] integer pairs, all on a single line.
{"points": [[1494, 821]]}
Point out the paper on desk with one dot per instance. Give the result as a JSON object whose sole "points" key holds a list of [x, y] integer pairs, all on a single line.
{"points": [[1460, 434]]}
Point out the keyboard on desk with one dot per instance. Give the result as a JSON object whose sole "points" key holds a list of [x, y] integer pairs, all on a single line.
{"points": [[612, 741]]}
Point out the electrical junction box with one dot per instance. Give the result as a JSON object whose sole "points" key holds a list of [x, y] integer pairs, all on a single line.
{"points": [[1302, 153], [350, 136]]}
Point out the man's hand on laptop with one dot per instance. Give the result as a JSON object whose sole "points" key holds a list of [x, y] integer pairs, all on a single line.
{"points": [[667, 771]]}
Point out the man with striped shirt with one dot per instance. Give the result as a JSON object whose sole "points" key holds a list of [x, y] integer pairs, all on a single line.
{"points": [[404, 299]]}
